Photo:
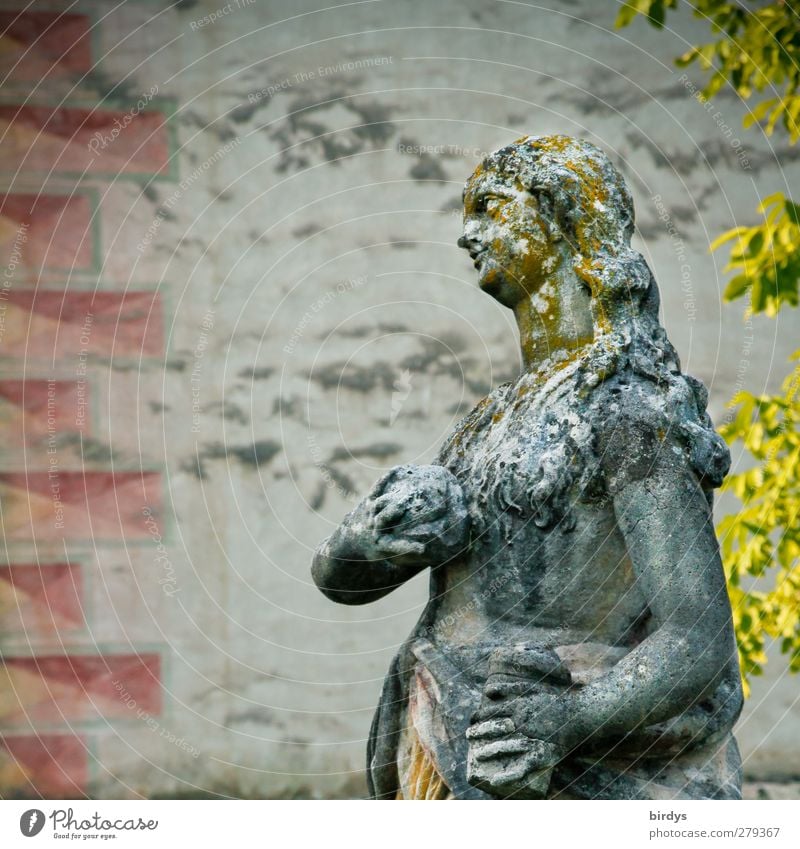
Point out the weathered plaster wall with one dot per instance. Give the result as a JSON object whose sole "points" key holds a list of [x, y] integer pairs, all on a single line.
{"points": [[319, 326]]}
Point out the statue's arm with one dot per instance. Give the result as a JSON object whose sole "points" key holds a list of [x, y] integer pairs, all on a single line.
{"points": [[665, 519], [347, 566], [413, 518], [667, 525]]}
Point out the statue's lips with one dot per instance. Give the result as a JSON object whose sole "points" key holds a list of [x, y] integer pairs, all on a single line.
{"points": [[477, 257]]}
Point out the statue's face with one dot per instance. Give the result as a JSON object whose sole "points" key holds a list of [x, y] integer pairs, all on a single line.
{"points": [[508, 239]]}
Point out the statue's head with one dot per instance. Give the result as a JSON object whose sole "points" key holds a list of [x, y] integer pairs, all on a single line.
{"points": [[554, 209], [544, 201]]}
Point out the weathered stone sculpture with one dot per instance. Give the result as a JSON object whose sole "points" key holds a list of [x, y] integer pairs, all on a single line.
{"points": [[578, 639]]}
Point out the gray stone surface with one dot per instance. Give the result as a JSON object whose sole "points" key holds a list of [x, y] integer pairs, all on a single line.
{"points": [[578, 639]]}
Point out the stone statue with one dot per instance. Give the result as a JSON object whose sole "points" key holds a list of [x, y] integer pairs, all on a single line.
{"points": [[578, 640]]}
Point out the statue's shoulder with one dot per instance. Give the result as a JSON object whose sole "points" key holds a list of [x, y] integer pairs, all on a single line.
{"points": [[631, 400], [641, 423]]}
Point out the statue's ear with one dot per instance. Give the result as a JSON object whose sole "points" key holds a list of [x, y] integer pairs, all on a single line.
{"points": [[547, 209]]}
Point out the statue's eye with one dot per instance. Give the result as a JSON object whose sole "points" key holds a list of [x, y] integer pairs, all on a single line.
{"points": [[488, 203]]}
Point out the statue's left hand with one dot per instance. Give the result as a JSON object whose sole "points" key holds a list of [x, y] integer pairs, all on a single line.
{"points": [[515, 740]]}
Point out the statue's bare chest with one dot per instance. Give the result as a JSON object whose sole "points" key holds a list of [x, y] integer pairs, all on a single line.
{"points": [[524, 461]]}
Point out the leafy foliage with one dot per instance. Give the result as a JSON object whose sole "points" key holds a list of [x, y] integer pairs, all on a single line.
{"points": [[766, 257], [757, 50], [654, 10], [763, 538]]}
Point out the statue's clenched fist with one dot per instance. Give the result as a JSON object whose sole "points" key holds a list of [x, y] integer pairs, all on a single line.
{"points": [[415, 512]]}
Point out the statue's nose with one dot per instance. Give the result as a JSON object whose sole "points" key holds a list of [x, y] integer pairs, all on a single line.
{"points": [[471, 233]]}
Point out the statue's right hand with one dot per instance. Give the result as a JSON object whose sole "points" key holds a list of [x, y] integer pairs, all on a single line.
{"points": [[414, 513]]}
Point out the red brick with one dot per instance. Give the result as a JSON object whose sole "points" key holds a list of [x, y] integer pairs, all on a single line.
{"points": [[75, 688], [78, 505], [51, 140], [66, 326], [49, 766], [38, 44], [47, 231], [35, 413], [39, 600]]}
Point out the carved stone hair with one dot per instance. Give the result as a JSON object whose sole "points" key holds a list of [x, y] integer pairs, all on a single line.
{"points": [[585, 200]]}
